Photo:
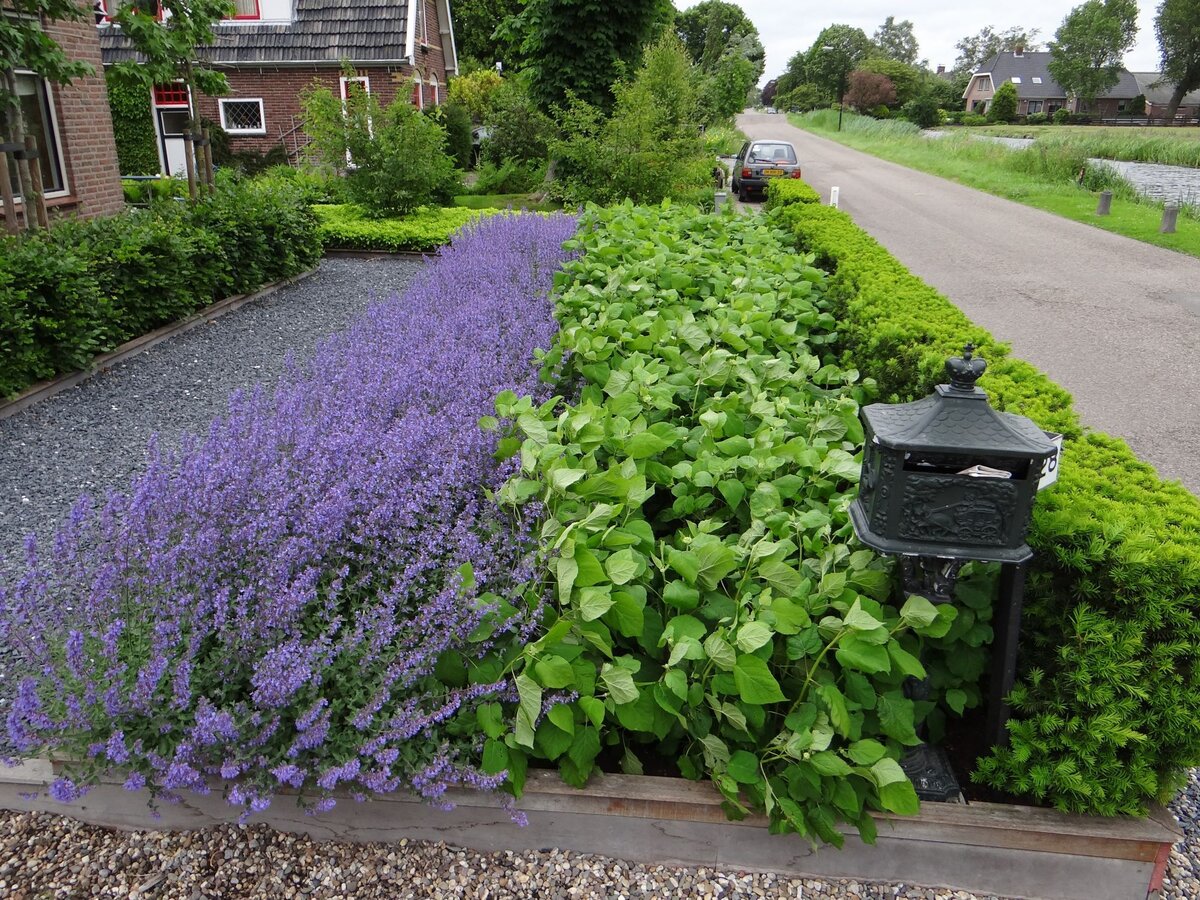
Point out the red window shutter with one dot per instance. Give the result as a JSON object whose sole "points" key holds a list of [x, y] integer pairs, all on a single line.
{"points": [[170, 94]]}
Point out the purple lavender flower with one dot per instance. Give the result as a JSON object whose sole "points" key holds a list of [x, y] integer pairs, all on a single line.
{"points": [[267, 603]]}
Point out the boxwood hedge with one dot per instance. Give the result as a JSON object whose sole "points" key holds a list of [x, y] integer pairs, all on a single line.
{"points": [[346, 227], [1107, 704]]}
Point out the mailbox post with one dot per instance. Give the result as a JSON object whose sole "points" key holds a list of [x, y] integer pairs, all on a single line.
{"points": [[947, 480]]}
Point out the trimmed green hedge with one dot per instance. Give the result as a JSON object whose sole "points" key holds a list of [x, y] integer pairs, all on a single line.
{"points": [[786, 191], [346, 227], [1108, 696], [133, 127], [83, 287]]}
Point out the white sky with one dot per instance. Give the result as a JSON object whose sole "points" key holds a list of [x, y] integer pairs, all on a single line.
{"points": [[785, 27]]}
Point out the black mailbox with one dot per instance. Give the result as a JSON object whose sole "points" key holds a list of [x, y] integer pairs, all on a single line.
{"points": [[948, 476]]}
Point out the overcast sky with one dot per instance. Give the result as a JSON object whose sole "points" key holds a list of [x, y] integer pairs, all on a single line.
{"points": [[786, 27]]}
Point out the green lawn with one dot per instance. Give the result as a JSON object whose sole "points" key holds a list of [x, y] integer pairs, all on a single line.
{"points": [[1042, 177], [1170, 146]]}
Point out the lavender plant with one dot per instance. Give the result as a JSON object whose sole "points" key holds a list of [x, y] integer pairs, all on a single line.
{"points": [[294, 600]]}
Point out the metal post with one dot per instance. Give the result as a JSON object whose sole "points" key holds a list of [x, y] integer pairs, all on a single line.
{"points": [[1170, 217], [1105, 205], [1006, 625]]}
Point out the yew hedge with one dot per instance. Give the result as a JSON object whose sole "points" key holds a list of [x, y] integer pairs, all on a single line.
{"points": [[1107, 703]]}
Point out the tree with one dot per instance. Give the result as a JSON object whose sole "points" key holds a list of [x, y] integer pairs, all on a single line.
{"points": [[725, 88], [868, 90], [1178, 28], [905, 78], [835, 53], [581, 48], [1003, 107], [976, 49], [475, 30], [896, 40], [25, 45], [1088, 48], [768, 92], [708, 28], [476, 91]]}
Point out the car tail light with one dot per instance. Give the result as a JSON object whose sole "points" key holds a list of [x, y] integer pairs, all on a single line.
{"points": [[795, 173], [746, 173]]}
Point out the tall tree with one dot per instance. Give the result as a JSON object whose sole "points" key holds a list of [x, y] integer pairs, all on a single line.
{"points": [[1089, 47], [896, 40], [709, 29], [976, 49], [1178, 27], [581, 47], [475, 30], [836, 53], [25, 45]]}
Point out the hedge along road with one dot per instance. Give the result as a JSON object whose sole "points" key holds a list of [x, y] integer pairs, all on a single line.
{"points": [[1114, 321]]}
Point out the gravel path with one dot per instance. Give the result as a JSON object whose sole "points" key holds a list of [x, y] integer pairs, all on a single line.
{"points": [[92, 438], [48, 856]]}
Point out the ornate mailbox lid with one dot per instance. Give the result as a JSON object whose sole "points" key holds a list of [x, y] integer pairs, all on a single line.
{"points": [[957, 418]]}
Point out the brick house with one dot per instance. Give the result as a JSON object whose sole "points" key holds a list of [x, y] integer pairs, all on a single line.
{"points": [[74, 132], [271, 51], [1158, 96], [1037, 91]]}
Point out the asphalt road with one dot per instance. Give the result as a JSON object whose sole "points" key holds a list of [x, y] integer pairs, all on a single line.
{"points": [[1114, 321]]}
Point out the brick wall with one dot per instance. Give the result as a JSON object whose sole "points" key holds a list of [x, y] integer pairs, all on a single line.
{"points": [[85, 129], [280, 88]]}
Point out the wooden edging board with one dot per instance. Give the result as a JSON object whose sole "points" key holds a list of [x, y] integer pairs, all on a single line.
{"points": [[46, 389], [1013, 851]]}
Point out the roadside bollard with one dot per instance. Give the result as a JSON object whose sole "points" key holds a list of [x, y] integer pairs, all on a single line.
{"points": [[1170, 217], [833, 196], [719, 200], [1105, 205]]}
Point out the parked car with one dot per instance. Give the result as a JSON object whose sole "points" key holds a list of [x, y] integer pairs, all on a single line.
{"points": [[760, 161], [771, 111]]}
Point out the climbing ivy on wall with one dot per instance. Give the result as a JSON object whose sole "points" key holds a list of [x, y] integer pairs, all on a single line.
{"points": [[133, 128]]}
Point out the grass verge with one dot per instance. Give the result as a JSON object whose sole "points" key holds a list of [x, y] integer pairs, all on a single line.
{"points": [[1042, 176]]}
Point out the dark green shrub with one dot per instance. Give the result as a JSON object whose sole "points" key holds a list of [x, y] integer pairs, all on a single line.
{"points": [[785, 191], [314, 185], [922, 111], [517, 129], [881, 112], [1107, 705], [974, 119], [1003, 107], [1061, 117], [955, 117], [457, 122], [1037, 119]]}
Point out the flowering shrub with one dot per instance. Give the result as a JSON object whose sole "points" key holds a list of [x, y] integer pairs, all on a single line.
{"points": [[295, 600]]}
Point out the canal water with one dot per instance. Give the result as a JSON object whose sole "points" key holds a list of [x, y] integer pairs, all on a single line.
{"points": [[1159, 182]]}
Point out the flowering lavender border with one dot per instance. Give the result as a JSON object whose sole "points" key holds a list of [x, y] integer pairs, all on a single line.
{"points": [[44, 390], [982, 847]]}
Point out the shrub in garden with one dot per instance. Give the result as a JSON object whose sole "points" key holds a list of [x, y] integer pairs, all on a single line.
{"points": [[517, 129], [785, 191], [1107, 704], [314, 185], [1061, 116], [346, 228], [83, 287], [712, 609], [1003, 107], [457, 122], [922, 111], [510, 177], [398, 159], [292, 601]]}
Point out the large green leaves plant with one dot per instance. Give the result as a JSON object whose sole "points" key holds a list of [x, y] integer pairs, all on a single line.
{"points": [[710, 598]]}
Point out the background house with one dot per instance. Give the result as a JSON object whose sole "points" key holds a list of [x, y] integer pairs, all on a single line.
{"points": [[272, 51], [73, 130], [1158, 95], [1037, 91]]}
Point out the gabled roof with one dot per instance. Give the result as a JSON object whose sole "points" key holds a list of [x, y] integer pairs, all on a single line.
{"points": [[1158, 91], [323, 31], [1030, 65]]}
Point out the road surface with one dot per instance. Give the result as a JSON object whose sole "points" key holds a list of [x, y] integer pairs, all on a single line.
{"points": [[1114, 321]]}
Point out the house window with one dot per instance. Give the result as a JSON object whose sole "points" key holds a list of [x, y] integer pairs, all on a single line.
{"points": [[243, 116], [433, 90], [984, 85], [174, 94], [422, 30], [364, 84], [246, 9], [37, 108], [418, 97], [1035, 106], [1016, 79], [1037, 79]]}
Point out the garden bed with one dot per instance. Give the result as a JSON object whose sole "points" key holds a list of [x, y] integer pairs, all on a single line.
{"points": [[1014, 851]]}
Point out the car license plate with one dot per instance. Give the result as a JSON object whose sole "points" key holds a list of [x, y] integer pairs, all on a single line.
{"points": [[772, 171]]}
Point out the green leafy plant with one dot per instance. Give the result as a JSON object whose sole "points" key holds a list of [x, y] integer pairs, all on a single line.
{"points": [[347, 228], [133, 127], [711, 604]]}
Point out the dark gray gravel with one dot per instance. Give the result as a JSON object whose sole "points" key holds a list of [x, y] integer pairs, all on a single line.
{"points": [[93, 437]]}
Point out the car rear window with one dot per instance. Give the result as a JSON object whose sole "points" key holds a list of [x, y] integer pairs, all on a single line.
{"points": [[772, 153]]}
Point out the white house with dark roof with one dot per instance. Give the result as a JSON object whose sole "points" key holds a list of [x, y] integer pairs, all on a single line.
{"points": [[272, 51], [1037, 91]]}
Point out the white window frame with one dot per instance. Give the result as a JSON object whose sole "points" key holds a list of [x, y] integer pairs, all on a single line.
{"points": [[1037, 79], [434, 89], [983, 85], [419, 87], [346, 80], [1016, 79], [262, 115], [65, 191], [1032, 103]]}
